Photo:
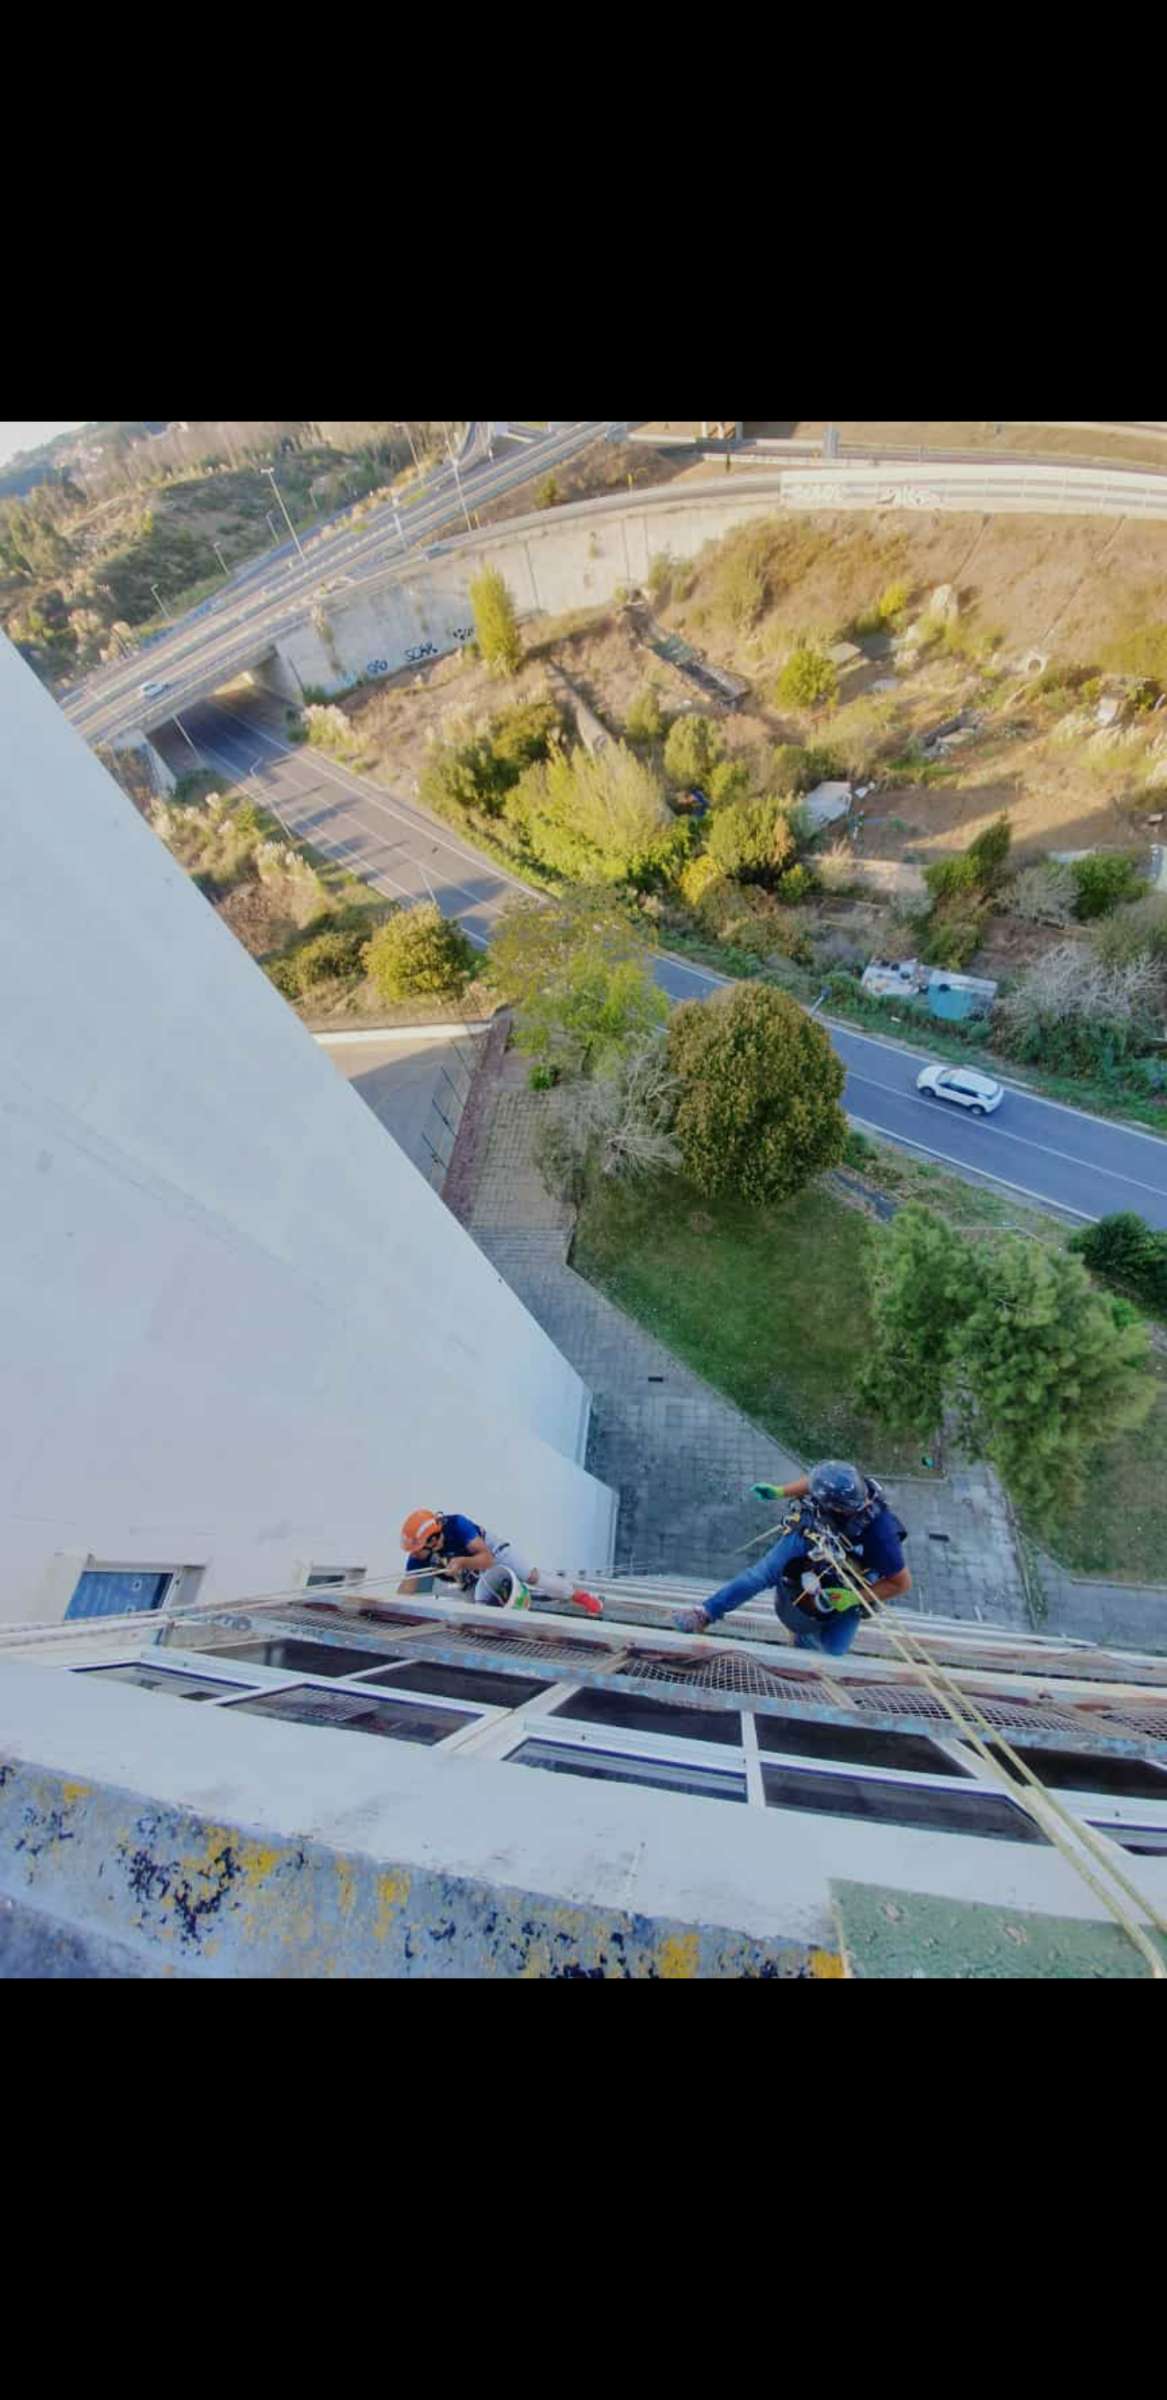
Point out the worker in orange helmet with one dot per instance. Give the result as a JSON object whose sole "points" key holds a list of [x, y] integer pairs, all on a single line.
{"points": [[490, 1569]]}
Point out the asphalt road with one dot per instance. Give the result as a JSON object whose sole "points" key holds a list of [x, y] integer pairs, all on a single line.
{"points": [[267, 597], [1087, 1166]]}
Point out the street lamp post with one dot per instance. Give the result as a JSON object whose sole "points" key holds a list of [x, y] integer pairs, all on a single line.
{"points": [[412, 444], [275, 539], [162, 611], [271, 474], [461, 493], [220, 557]]}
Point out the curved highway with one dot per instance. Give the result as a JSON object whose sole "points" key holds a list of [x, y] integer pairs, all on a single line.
{"points": [[1085, 1166], [269, 595]]}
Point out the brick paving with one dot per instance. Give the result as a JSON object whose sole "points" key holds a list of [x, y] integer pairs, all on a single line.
{"points": [[680, 1456]]}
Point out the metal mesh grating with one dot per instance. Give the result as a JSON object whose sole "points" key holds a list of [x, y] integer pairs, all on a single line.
{"points": [[1142, 1721], [546, 1650], [726, 1672], [909, 1700]]}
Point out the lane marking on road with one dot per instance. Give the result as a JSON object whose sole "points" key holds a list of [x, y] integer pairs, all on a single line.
{"points": [[371, 793], [990, 1130], [949, 1159], [337, 847], [1025, 1091]]}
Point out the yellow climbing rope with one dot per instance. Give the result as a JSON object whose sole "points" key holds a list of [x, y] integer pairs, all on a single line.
{"points": [[1066, 1832]]}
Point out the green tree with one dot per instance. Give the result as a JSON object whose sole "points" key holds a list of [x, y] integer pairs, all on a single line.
{"points": [[1050, 1370], [645, 720], [729, 781], [758, 1113], [496, 628], [919, 1278], [548, 493], [420, 951], [1103, 880], [809, 679], [1039, 1368], [692, 750], [1123, 1249], [579, 980], [594, 815], [752, 840]]}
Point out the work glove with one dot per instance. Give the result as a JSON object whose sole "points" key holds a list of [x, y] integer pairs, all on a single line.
{"points": [[766, 1491]]}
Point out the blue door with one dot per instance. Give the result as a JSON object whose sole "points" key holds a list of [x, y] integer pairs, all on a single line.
{"points": [[106, 1592]]}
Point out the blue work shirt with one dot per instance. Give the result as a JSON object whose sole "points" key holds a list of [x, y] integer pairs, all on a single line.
{"points": [[457, 1535], [876, 1551]]}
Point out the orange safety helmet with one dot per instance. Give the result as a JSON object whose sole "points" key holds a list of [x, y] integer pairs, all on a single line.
{"points": [[419, 1528]]}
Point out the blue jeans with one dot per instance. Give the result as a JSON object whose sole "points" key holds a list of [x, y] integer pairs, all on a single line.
{"points": [[833, 1634]]}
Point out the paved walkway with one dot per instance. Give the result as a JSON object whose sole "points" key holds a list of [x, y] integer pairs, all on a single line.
{"points": [[1131, 1615], [681, 1456]]}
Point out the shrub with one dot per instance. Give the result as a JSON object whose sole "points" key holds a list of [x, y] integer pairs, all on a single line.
{"points": [[740, 590], [809, 679], [798, 770], [1075, 1014], [758, 1111], [796, 884], [1138, 930], [952, 878], [893, 600], [597, 816], [617, 1126], [330, 958], [661, 569], [729, 782], [1123, 1250], [989, 853], [953, 935], [697, 878], [547, 493], [1102, 881], [645, 720], [835, 868], [751, 839], [419, 951], [1043, 894], [496, 628], [692, 750]]}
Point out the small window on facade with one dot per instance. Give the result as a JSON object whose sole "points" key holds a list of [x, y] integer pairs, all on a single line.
{"points": [[357, 1712], [308, 1658], [960, 1809], [323, 1575], [627, 1709], [121, 1591], [1094, 1771], [462, 1683], [166, 1679], [605, 1766], [855, 1746]]}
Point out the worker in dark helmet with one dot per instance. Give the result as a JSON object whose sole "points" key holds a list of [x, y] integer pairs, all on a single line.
{"points": [[835, 1509]]}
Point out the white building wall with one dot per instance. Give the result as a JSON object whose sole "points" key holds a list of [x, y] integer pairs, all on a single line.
{"points": [[240, 1331]]}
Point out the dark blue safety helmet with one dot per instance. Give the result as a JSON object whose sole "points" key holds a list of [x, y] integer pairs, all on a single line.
{"points": [[838, 1488]]}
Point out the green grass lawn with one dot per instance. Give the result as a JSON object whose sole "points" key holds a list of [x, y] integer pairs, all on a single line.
{"points": [[769, 1304], [1117, 1526]]}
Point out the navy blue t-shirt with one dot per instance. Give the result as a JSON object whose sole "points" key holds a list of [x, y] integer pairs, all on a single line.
{"points": [[878, 1550], [458, 1533]]}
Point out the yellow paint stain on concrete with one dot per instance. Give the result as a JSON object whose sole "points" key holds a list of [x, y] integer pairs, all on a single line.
{"points": [[71, 1793], [826, 1965], [346, 1887], [392, 1892], [679, 1953]]}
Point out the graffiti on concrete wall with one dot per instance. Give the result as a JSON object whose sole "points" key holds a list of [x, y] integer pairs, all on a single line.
{"points": [[422, 650], [376, 666], [461, 633]]}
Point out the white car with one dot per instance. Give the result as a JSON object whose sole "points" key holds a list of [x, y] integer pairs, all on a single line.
{"points": [[963, 1086], [151, 691]]}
